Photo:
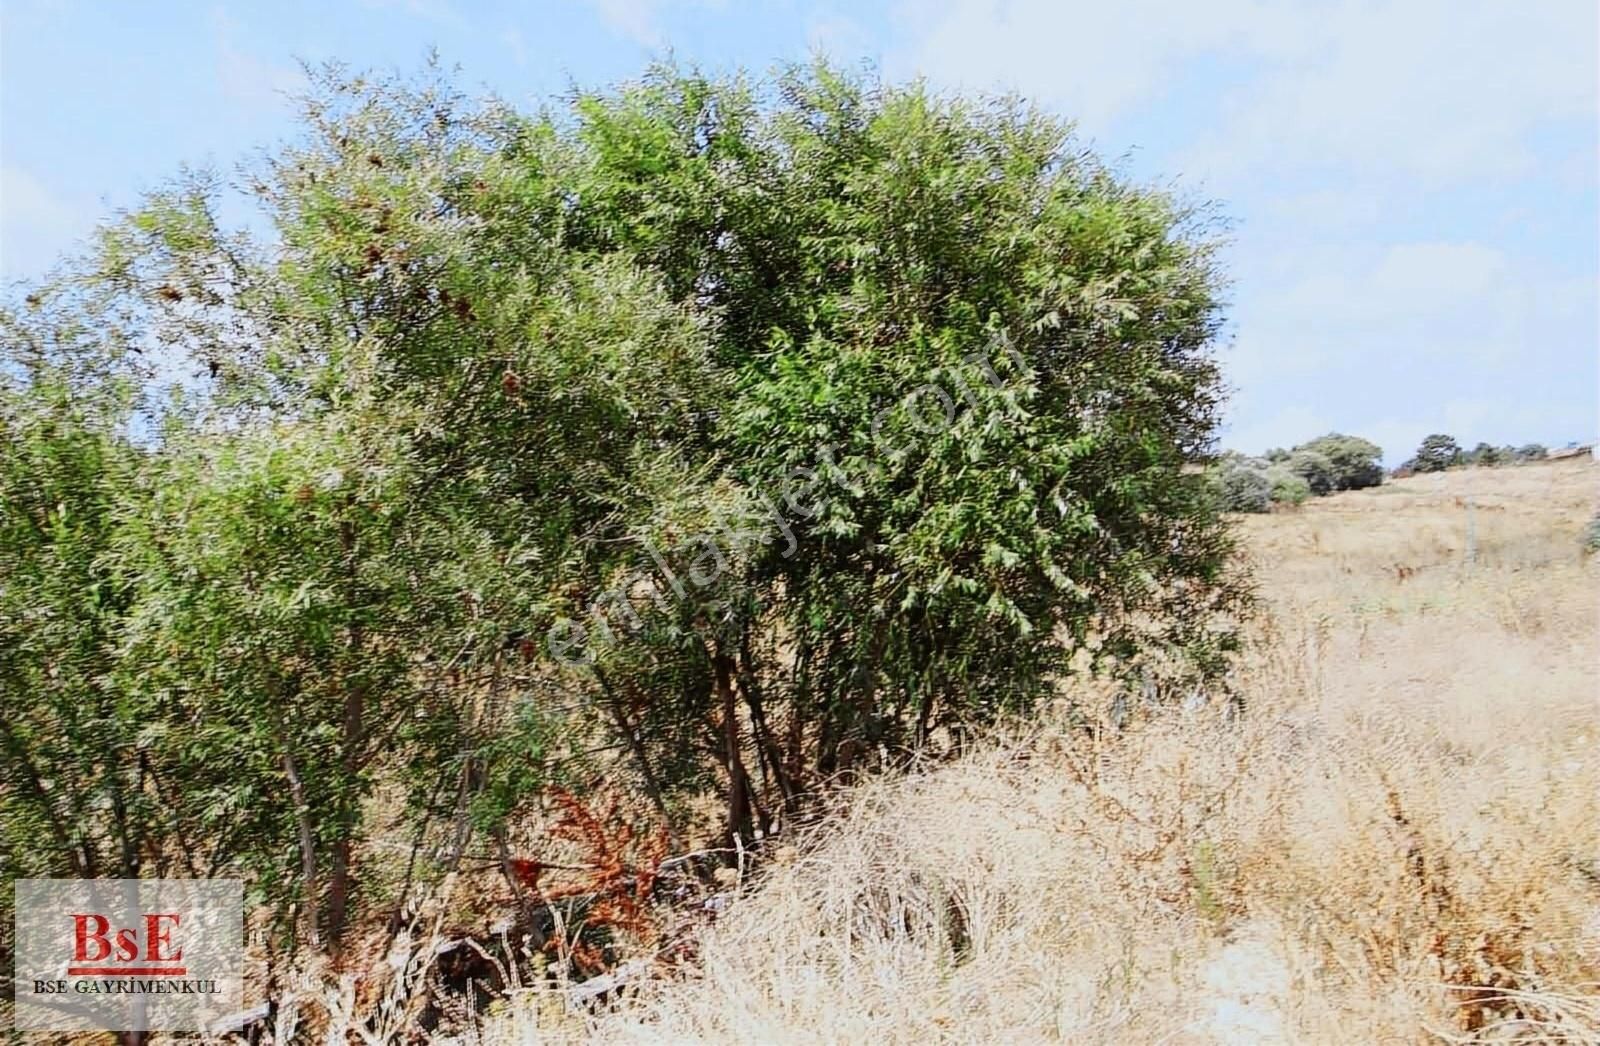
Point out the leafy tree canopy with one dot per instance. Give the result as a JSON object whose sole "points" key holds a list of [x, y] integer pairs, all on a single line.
{"points": [[1436, 453], [1356, 463], [731, 426]]}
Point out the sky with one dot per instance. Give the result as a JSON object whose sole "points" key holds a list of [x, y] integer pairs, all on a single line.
{"points": [[1412, 186]]}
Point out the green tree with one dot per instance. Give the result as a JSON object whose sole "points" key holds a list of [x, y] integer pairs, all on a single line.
{"points": [[1530, 452], [1357, 463], [1241, 487], [754, 431], [1437, 453], [1287, 488], [1316, 470], [72, 769]]}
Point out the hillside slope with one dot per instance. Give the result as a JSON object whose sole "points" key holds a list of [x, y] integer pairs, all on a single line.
{"points": [[1397, 842]]}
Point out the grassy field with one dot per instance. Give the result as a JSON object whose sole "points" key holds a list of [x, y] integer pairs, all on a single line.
{"points": [[1397, 842]]}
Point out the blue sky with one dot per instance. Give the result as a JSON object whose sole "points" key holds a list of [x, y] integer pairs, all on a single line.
{"points": [[1413, 185]]}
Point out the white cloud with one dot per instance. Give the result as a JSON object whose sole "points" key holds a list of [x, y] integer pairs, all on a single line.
{"points": [[1324, 212], [837, 36], [432, 10], [639, 21], [247, 80], [1468, 301], [1437, 275], [36, 223], [512, 38], [1094, 61], [632, 19], [1439, 89]]}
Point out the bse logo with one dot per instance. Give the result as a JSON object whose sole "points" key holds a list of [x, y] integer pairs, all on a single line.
{"points": [[127, 954], [94, 944]]}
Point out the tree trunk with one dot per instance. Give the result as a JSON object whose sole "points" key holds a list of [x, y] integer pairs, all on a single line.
{"points": [[738, 779], [308, 851], [766, 745], [350, 766], [797, 712], [925, 715], [351, 737], [652, 786]]}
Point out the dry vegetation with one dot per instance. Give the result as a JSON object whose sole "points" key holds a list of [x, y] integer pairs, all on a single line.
{"points": [[1397, 842]]}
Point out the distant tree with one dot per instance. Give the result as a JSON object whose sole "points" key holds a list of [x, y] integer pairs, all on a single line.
{"points": [[1357, 463], [1486, 454], [1530, 452], [1287, 487], [1241, 487], [1316, 469], [1437, 453], [1276, 455]]}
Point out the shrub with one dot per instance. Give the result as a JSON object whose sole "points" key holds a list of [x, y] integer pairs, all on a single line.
{"points": [[1287, 487], [1357, 463], [1530, 452], [1316, 469], [1242, 487], [1488, 455], [508, 377], [1437, 453]]}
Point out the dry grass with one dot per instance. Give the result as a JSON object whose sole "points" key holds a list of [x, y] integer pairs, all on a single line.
{"points": [[1398, 843]]}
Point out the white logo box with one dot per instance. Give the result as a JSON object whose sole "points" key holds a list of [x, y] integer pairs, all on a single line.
{"points": [[127, 954]]}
